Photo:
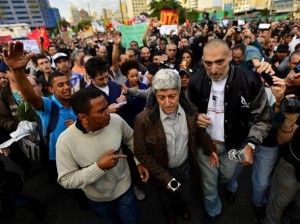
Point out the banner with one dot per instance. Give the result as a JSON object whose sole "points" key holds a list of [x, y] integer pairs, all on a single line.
{"points": [[97, 27], [168, 17], [130, 33], [5, 39], [166, 29], [31, 46]]}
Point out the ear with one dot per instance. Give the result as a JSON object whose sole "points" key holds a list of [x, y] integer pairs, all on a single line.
{"points": [[51, 89], [82, 118]]}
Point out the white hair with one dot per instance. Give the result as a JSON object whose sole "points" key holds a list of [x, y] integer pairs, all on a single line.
{"points": [[166, 79]]}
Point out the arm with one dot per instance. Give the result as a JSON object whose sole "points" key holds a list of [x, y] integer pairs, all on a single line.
{"points": [[17, 61], [145, 35], [287, 129], [142, 152], [139, 92], [71, 176], [6, 120], [115, 53]]}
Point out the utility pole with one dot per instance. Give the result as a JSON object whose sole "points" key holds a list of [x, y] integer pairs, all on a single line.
{"points": [[121, 11], [90, 16]]}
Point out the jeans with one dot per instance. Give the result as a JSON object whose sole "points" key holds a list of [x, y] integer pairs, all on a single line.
{"points": [[171, 200], [123, 209], [283, 190], [210, 177], [264, 161]]}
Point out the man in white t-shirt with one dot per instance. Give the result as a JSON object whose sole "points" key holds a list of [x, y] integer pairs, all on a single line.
{"points": [[233, 107]]}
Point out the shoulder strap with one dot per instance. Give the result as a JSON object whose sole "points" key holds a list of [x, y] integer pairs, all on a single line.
{"points": [[54, 113], [81, 83]]}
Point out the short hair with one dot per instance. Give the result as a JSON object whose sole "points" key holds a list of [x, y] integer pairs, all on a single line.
{"points": [[240, 46], [39, 56], [293, 54], [166, 79], [215, 43], [95, 66], [80, 100], [52, 45], [128, 65], [53, 75]]}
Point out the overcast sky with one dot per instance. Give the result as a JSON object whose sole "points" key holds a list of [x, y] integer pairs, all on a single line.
{"points": [[95, 5]]}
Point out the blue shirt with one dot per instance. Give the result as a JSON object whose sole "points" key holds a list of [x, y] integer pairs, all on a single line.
{"points": [[64, 114]]}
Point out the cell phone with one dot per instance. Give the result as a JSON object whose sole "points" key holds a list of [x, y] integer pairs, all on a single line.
{"points": [[121, 104], [268, 78], [235, 23]]}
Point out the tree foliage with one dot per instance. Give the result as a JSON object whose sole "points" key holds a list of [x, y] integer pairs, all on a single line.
{"points": [[157, 5]]}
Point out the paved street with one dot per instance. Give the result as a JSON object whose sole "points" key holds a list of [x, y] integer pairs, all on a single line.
{"points": [[62, 207]]}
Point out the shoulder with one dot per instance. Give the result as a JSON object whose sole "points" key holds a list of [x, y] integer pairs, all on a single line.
{"points": [[77, 74]]}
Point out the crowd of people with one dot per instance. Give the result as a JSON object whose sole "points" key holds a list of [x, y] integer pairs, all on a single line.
{"points": [[205, 100]]}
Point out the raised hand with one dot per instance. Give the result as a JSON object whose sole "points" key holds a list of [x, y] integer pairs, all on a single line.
{"points": [[14, 56]]}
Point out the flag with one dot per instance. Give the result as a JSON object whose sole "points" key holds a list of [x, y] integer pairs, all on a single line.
{"points": [[34, 35], [187, 23], [44, 34]]}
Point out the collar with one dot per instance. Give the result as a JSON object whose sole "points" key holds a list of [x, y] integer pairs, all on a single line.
{"points": [[79, 126], [56, 101], [172, 116]]}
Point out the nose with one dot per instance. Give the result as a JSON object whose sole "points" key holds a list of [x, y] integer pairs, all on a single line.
{"points": [[167, 102], [213, 68]]}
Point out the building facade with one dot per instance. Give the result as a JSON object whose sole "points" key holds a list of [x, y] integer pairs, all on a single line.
{"points": [[33, 12], [136, 7]]}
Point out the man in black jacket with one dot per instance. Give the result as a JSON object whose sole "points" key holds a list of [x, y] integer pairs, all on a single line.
{"points": [[233, 107]]}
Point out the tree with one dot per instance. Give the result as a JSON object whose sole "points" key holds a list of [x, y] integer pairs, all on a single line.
{"points": [[265, 12], [157, 5], [192, 15]]}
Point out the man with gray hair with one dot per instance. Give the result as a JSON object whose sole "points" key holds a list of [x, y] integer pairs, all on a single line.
{"points": [[165, 140]]}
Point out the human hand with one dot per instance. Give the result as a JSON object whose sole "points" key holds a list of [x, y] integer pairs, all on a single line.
{"points": [[278, 89], [14, 56], [214, 159], [69, 122], [113, 108], [5, 151], [108, 160], [124, 88], [121, 99], [117, 38], [248, 151], [144, 173], [203, 120]]}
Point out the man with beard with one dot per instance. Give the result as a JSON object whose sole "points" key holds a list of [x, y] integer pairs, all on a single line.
{"points": [[233, 107]]}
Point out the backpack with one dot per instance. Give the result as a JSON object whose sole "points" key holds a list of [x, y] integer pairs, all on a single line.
{"points": [[45, 137]]}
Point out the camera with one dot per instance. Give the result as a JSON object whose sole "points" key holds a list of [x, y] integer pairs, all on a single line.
{"points": [[297, 68], [290, 105], [164, 64], [238, 29], [268, 78]]}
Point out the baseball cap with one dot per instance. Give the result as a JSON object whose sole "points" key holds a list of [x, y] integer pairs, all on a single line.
{"points": [[252, 52], [59, 55], [3, 67], [187, 71]]}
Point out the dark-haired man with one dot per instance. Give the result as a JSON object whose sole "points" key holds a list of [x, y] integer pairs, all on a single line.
{"points": [[45, 70], [101, 172], [97, 69], [60, 88]]}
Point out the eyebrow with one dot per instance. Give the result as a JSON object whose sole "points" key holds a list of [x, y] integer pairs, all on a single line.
{"points": [[217, 61]]}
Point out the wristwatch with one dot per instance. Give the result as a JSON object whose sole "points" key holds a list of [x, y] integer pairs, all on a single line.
{"points": [[252, 146], [174, 184]]}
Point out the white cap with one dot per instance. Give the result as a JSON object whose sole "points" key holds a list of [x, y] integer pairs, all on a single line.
{"points": [[59, 55]]}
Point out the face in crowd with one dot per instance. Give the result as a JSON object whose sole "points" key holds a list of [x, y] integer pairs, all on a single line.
{"points": [[216, 58]]}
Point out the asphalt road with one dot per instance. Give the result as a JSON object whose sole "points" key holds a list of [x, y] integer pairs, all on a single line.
{"points": [[62, 207]]}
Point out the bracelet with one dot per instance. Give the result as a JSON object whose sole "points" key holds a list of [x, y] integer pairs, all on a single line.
{"points": [[286, 132]]}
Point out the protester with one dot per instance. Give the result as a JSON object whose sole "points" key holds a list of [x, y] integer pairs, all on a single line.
{"points": [[102, 173]]}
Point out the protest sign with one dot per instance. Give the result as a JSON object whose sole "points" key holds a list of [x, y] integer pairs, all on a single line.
{"points": [[168, 17], [166, 29], [130, 33], [31, 46]]}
